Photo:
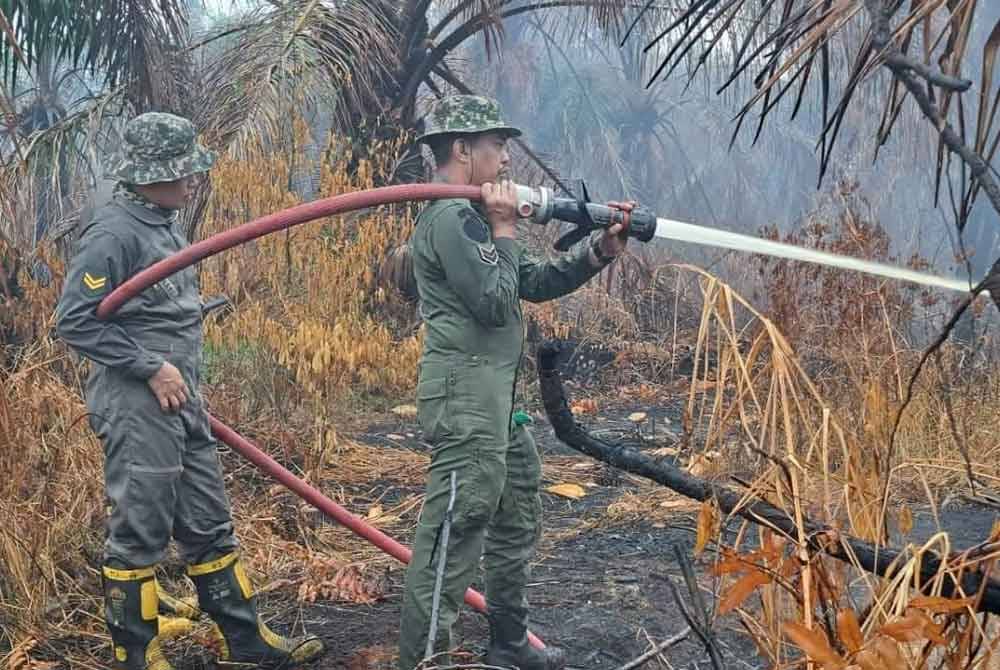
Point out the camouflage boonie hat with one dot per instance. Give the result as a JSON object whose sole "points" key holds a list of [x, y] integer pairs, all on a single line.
{"points": [[159, 147], [465, 114]]}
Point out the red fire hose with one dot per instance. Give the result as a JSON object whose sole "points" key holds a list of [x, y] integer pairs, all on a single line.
{"points": [[258, 228]]}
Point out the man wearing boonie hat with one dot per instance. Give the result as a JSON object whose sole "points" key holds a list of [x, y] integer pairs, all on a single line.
{"points": [[162, 473], [471, 275]]}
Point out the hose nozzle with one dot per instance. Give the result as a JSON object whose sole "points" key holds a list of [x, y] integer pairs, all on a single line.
{"points": [[538, 204], [534, 203]]}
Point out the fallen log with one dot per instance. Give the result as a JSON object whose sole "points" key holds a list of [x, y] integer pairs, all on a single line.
{"points": [[879, 560]]}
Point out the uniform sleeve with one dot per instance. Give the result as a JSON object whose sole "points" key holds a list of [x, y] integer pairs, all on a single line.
{"points": [[483, 272], [97, 268], [543, 279]]}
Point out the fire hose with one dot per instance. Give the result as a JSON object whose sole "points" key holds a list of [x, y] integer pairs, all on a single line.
{"points": [[534, 204], [257, 228]]}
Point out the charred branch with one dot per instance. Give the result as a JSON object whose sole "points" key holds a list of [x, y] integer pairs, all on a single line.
{"points": [[897, 61], [882, 561]]}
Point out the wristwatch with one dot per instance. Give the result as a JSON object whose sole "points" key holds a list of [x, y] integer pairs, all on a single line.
{"points": [[595, 246]]}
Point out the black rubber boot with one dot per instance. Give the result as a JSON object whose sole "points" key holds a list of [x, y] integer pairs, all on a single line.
{"points": [[509, 647], [226, 596], [130, 610]]}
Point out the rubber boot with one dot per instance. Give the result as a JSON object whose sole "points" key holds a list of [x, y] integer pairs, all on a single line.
{"points": [[130, 609], [184, 608], [509, 647], [226, 596]]}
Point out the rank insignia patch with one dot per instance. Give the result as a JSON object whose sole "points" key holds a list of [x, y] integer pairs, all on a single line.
{"points": [[488, 253], [94, 284]]}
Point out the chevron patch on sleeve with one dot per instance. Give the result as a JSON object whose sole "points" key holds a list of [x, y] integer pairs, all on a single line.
{"points": [[488, 253], [94, 284]]}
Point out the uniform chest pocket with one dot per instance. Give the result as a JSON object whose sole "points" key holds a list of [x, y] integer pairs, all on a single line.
{"points": [[432, 408], [177, 289], [169, 287]]}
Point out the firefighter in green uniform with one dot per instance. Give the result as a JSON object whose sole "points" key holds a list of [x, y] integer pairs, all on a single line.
{"points": [[162, 473], [471, 274]]}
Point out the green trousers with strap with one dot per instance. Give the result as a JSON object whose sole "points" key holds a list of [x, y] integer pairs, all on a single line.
{"points": [[496, 516]]}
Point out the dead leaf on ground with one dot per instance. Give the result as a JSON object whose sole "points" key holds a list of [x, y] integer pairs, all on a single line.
{"points": [[377, 517], [572, 491], [347, 584], [405, 411], [664, 451], [583, 406], [20, 658], [702, 464], [372, 658]]}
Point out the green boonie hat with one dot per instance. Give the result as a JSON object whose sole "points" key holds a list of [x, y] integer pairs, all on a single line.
{"points": [[159, 147], [465, 114]]}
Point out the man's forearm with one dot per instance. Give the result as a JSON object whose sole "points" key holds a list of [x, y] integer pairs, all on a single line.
{"points": [[109, 345]]}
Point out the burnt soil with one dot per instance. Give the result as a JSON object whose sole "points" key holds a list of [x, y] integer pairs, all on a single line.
{"points": [[595, 591], [601, 591]]}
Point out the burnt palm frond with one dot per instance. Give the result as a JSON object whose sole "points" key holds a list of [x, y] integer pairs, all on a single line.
{"points": [[787, 46], [317, 55], [51, 167], [484, 12], [115, 39]]}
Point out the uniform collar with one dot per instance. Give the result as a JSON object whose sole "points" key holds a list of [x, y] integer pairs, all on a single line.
{"points": [[142, 209]]}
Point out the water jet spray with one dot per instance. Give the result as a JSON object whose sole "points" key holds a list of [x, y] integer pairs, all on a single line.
{"points": [[540, 205]]}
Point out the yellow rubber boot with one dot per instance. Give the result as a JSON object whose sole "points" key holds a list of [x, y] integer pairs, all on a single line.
{"points": [[130, 610], [226, 596]]}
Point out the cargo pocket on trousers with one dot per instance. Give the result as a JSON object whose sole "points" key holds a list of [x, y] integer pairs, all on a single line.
{"points": [[432, 408], [148, 509]]}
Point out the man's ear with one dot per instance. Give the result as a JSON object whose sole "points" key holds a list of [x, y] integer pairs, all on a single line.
{"points": [[461, 151]]}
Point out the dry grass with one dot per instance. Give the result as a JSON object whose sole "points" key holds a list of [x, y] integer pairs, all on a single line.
{"points": [[822, 451], [314, 343], [807, 418], [310, 341]]}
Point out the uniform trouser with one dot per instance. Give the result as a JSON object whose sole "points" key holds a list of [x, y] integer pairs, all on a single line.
{"points": [[161, 472], [496, 515]]}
